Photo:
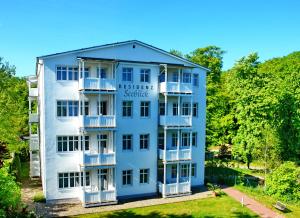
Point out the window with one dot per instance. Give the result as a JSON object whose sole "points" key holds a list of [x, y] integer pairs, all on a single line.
{"points": [[127, 74], [66, 73], [174, 171], [102, 108], [195, 110], [174, 139], [84, 107], [185, 139], [127, 108], [195, 79], [127, 142], [68, 180], [186, 110], [161, 141], [162, 107], [145, 109], [144, 141], [186, 78], [184, 170], [85, 142], [87, 178], [175, 77], [63, 180], [67, 108], [62, 108], [74, 179], [101, 73], [194, 169], [145, 75], [86, 72], [144, 176], [61, 73], [67, 143], [102, 143], [175, 109], [127, 177], [73, 108], [194, 139]]}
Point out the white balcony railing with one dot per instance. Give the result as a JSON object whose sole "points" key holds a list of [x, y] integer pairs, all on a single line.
{"points": [[33, 118], [100, 159], [99, 121], [34, 142], [175, 120], [175, 155], [175, 87], [33, 92], [97, 84], [174, 188], [100, 196]]}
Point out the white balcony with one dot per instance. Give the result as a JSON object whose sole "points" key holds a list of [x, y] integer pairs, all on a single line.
{"points": [[175, 155], [175, 120], [175, 87], [175, 188], [33, 118], [97, 84], [94, 197], [33, 92], [99, 159], [34, 142], [104, 121]]}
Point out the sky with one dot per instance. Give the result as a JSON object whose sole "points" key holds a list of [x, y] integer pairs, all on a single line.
{"points": [[30, 28]]}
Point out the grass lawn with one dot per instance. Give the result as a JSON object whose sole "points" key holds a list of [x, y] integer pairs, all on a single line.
{"points": [[210, 207], [268, 201]]}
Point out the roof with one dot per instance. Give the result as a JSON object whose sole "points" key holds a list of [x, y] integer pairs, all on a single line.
{"points": [[122, 43], [129, 61]]}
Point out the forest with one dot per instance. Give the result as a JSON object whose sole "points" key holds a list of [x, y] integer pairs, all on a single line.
{"points": [[254, 108]]}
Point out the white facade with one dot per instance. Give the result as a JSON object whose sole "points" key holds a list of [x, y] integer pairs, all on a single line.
{"points": [[128, 151]]}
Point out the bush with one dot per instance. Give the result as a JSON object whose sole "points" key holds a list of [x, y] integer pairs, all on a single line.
{"points": [[10, 193], [39, 197], [283, 182]]}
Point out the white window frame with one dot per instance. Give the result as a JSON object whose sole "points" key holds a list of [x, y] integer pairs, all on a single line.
{"points": [[126, 174], [127, 139], [127, 106], [144, 176], [127, 74], [186, 77], [145, 75], [144, 140], [184, 170], [144, 109], [68, 140]]}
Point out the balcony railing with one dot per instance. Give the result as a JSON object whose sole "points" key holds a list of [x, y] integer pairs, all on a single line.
{"points": [[175, 155], [97, 84], [99, 196], [34, 142], [33, 118], [99, 159], [175, 120], [175, 87], [99, 121], [175, 188], [33, 92]]}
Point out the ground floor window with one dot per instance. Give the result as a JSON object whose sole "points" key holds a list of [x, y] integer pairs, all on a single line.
{"points": [[194, 167], [184, 170], [144, 176], [71, 179], [127, 177]]}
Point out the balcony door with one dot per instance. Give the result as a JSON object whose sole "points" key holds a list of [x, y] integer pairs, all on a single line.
{"points": [[102, 109], [103, 143], [103, 179]]}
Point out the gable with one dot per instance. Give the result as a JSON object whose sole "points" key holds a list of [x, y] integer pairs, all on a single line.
{"points": [[129, 50]]}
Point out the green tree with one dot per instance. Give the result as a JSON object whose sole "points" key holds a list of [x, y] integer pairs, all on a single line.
{"points": [[283, 182], [176, 52]]}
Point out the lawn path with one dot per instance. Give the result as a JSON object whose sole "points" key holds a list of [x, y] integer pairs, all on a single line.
{"points": [[253, 205]]}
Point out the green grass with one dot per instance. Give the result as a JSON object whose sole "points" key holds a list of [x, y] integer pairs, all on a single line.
{"points": [[209, 207], [39, 197], [258, 194]]}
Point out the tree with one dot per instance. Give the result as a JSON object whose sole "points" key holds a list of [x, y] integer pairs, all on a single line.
{"points": [[176, 52], [283, 182]]}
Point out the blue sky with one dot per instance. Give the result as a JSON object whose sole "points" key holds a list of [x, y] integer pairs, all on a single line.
{"points": [[32, 28]]}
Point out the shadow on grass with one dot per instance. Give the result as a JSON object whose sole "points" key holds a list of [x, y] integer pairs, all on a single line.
{"points": [[130, 214], [243, 215]]}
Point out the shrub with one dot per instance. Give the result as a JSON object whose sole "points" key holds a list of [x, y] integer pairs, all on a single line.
{"points": [[39, 197], [10, 193], [283, 182]]}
